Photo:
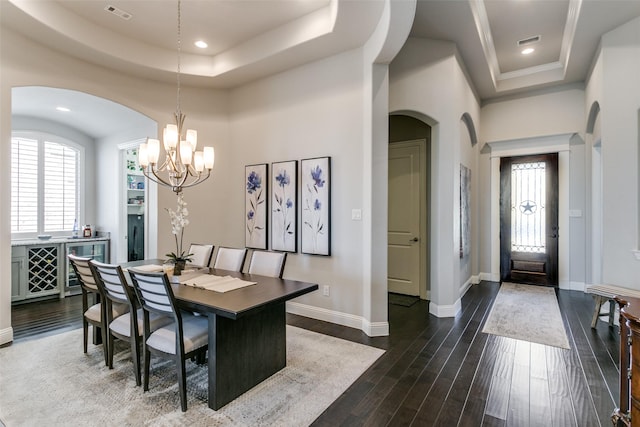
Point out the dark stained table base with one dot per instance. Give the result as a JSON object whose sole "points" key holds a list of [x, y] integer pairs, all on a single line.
{"points": [[244, 352]]}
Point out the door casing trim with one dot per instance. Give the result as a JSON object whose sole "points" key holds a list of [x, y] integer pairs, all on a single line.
{"points": [[560, 144]]}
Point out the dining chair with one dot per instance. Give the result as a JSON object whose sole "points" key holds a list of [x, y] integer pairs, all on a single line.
{"points": [[185, 337], [95, 314], [201, 254], [129, 326], [231, 259], [267, 263]]}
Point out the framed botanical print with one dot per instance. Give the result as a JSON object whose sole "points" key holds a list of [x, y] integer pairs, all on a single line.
{"points": [[256, 205], [284, 206], [315, 197]]}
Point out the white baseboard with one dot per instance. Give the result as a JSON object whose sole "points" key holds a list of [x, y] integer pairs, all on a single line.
{"points": [[490, 277], [372, 329], [574, 286], [6, 335], [445, 310], [473, 280]]}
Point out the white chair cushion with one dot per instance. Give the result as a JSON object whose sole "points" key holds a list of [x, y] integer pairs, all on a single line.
{"points": [[195, 329], [122, 325], [93, 313]]}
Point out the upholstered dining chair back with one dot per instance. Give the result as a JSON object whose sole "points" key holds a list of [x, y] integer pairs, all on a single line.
{"points": [[267, 263], [114, 283], [231, 259], [127, 326], [186, 337], [93, 312], [153, 294], [201, 254], [84, 275]]}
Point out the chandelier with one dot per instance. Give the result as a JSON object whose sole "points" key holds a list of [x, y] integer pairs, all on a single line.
{"points": [[183, 166]]}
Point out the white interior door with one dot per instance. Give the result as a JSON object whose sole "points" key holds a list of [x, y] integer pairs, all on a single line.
{"points": [[404, 246]]}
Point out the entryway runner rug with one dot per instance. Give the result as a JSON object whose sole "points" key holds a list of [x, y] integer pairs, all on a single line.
{"points": [[529, 313], [51, 382]]}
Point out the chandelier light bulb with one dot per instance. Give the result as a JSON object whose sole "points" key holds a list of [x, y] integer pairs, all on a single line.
{"points": [[198, 161], [170, 137], [192, 138], [185, 152], [209, 157], [143, 158], [153, 151]]}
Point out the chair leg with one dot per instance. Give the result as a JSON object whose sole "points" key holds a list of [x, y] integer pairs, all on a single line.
{"points": [[612, 311], [110, 351], [596, 312], [147, 360], [135, 356], [105, 346], [182, 383], [85, 327]]}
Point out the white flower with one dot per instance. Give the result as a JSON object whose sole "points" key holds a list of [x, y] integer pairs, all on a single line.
{"points": [[178, 222]]}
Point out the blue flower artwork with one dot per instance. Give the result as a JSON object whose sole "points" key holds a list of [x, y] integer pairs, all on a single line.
{"points": [[316, 206], [256, 206], [284, 213]]}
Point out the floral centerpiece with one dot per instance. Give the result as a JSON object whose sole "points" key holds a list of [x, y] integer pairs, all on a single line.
{"points": [[179, 221]]}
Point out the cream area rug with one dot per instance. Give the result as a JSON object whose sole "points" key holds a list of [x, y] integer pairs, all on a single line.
{"points": [[51, 382], [529, 313]]}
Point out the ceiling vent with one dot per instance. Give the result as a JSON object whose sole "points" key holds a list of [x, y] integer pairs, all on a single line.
{"points": [[529, 40], [118, 12]]}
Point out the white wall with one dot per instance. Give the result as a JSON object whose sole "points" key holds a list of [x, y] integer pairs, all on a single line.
{"points": [[593, 195], [620, 106], [311, 111], [427, 82]]}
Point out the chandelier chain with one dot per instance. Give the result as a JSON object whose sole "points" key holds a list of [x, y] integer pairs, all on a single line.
{"points": [[179, 52]]}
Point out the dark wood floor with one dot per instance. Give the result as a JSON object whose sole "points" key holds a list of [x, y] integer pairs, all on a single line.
{"points": [[445, 372]]}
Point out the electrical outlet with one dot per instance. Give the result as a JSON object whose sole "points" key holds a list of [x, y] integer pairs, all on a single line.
{"points": [[326, 290]]}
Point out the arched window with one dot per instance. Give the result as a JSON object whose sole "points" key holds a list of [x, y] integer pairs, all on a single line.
{"points": [[44, 184]]}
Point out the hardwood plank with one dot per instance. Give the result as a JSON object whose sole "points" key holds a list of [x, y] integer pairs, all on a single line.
{"points": [[519, 396], [411, 405], [540, 400], [562, 408], [498, 398], [474, 407], [600, 394], [444, 394]]}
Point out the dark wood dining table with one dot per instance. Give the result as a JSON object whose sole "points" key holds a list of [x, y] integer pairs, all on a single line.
{"points": [[247, 329]]}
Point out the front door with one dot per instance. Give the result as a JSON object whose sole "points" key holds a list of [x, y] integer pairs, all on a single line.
{"points": [[529, 219], [405, 190]]}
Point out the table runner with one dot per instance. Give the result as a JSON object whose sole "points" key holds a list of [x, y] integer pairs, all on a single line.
{"points": [[215, 283]]}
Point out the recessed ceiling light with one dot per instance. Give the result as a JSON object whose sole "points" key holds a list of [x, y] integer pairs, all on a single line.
{"points": [[527, 51], [201, 44], [63, 109]]}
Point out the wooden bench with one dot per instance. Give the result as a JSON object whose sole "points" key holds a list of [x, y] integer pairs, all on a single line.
{"points": [[603, 293]]}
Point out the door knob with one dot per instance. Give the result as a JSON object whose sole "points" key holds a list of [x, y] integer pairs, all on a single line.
{"points": [[415, 239]]}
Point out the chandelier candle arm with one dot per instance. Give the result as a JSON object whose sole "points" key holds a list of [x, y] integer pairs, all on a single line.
{"points": [[181, 158]]}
